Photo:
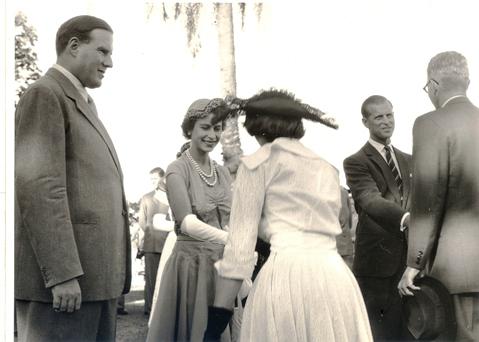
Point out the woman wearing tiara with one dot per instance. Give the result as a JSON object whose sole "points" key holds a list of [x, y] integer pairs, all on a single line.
{"points": [[289, 196], [200, 200]]}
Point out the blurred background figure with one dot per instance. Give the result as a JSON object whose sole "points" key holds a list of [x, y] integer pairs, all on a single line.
{"points": [[344, 241], [154, 202]]}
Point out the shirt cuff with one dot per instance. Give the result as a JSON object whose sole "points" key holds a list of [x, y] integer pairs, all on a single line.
{"points": [[402, 227], [235, 270]]}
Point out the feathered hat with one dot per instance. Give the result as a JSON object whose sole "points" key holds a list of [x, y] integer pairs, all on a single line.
{"points": [[279, 103]]}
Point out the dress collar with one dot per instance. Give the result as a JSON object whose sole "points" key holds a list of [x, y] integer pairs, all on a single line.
{"points": [[286, 144]]}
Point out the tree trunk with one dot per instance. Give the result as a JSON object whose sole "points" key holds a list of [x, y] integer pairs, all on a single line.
{"points": [[230, 139]]}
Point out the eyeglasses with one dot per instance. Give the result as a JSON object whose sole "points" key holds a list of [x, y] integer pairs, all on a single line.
{"points": [[426, 87]]}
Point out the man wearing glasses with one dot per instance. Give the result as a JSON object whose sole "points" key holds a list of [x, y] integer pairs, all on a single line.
{"points": [[378, 176], [444, 229]]}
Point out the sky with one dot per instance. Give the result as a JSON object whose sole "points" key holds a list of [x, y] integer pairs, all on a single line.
{"points": [[331, 54]]}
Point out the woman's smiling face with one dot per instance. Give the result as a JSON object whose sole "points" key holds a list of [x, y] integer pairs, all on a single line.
{"points": [[205, 136]]}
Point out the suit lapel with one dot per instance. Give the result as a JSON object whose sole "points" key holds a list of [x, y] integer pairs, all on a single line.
{"points": [[87, 111], [376, 157]]}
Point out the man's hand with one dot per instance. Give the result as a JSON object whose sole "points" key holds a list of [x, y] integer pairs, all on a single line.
{"points": [[407, 282], [67, 296]]}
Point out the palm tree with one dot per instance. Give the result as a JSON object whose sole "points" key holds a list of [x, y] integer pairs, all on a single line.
{"points": [[230, 139]]}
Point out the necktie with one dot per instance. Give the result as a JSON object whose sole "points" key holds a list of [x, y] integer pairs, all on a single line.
{"points": [[393, 168]]}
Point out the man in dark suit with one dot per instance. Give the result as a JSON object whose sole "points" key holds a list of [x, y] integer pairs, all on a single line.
{"points": [[444, 233], [153, 203], [378, 176], [72, 244]]}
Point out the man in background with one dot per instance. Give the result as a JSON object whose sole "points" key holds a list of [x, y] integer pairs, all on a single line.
{"points": [[154, 202], [72, 242]]}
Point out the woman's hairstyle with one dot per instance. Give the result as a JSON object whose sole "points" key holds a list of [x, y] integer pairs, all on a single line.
{"points": [[201, 109], [183, 148], [271, 127]]}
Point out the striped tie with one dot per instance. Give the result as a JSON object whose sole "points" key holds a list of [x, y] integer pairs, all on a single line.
{"points": [[393, 168]]}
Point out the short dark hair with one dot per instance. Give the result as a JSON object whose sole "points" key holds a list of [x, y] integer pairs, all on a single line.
{"points": [[158, 170], [372, 100], [219, 114], [79, 27], [271, 127]]}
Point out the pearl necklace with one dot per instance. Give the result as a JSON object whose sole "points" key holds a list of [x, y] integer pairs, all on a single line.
{"points": [[203, 175]]}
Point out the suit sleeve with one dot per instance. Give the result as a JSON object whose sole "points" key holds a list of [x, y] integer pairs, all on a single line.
{"points": [[367, 196], [429, 188], [142, 214], [41, 185]]}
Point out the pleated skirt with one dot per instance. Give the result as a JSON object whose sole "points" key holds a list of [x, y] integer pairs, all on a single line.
{"points": [[187, 288], [305, 295]]}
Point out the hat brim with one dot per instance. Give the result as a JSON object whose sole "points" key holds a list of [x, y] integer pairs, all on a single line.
{"points": [[442, 303]]}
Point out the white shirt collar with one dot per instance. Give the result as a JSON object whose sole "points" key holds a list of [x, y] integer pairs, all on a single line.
{"points": [[450, 99], [378, 146], [75, 81]]}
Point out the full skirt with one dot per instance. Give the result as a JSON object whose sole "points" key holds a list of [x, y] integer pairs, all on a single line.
{"points": [[187, 289], [305, 295]]}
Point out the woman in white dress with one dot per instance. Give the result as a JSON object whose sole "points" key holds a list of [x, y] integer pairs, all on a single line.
{"points": [[290, 197]]}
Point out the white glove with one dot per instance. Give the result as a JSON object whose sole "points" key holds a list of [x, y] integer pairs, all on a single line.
{"points": [[192, 226], [245, 288], [161, 223]]}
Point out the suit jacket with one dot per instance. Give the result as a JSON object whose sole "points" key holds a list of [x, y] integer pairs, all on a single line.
{"points": [[380, 245], [154, 240], [71, 214], [444, 229]]}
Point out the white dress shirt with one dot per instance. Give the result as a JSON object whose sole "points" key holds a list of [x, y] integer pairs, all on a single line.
{"points": [[75, 81]]}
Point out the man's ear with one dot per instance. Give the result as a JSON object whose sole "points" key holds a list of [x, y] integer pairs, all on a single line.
{"points": [[365, 122], [73, 45]]}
